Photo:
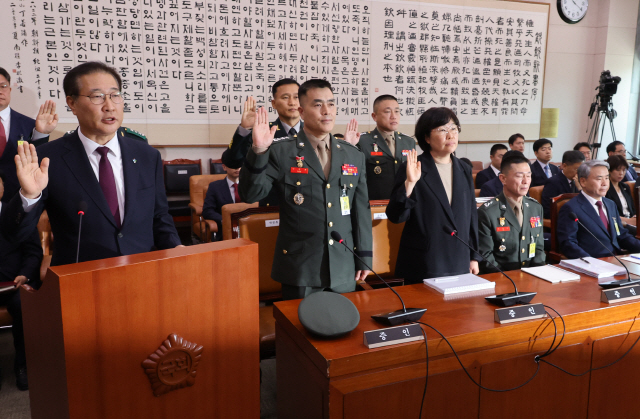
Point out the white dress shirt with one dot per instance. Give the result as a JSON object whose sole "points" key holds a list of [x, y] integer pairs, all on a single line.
{"points": [[230, 184], [5, 116], [115, 158], [593, 201], [543, 165], [496, 171]]}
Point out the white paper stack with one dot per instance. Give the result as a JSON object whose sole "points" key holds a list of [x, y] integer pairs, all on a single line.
{"points": [[593, 267], [456, 284], [552, 274], [635, 258]]}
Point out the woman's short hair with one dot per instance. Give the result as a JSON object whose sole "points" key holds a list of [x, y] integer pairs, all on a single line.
{"points": [[433, 118], [615, 162]]}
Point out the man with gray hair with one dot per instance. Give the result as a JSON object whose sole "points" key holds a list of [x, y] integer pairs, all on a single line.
{"points": [[597, 213]]}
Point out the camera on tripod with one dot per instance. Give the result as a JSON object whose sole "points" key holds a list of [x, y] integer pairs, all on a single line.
{"points": [[608, 85], [602, 107]]}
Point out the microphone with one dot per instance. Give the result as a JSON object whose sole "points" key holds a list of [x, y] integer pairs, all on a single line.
{"points": [[633, 156], [610, 284], [395, 317], [82, 207], [502, 300]]}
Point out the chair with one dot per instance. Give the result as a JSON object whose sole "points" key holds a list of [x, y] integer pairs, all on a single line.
{"points": [[198, 186], [176, 182], [556, 203], [474, 178], [536, 193], [229, 231], [386, 242], [477, 165], [215, 167], [477, 191]]}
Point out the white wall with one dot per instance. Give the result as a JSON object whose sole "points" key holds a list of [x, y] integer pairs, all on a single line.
{"points": [[576, 55]]}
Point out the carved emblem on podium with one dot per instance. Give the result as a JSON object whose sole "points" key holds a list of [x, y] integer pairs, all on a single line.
{"points": [[173, 365]]}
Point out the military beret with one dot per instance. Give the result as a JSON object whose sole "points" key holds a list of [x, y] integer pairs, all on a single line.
{"points": [[328, 314]]}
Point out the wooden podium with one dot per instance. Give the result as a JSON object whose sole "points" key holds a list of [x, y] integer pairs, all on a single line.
{"points": [[92, 326]]}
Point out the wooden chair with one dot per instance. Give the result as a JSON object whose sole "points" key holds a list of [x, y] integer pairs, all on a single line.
{"points": [[176, 183], [556, 203], [477, 165], [198, 186], [474, 179], [386, 241], [228, 230], [477, 191], [215, 167]]}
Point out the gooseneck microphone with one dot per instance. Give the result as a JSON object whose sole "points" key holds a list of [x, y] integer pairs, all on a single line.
{"points": [[502, 300], [395, 317], [610, 284], [633, 156], [82, 207]]}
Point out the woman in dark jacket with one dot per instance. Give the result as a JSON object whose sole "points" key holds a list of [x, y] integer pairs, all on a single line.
{"points": [[619, 192], [434, 192]]}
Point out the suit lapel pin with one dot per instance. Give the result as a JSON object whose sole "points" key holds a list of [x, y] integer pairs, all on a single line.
{"points": [[135, 161]]}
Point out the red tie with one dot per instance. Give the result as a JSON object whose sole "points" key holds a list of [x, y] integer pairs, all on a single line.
{"points": [[3, 138], [235, 193], [108, 184], [603, 217]]}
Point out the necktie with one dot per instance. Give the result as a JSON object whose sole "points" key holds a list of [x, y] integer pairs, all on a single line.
{"points": [[603, 217], [628, 175], [3, 138], [108, 184], [292, 132], [323, 155], [518, 213], [391, 143], [236, 195], [572, 186], [546, 171]]}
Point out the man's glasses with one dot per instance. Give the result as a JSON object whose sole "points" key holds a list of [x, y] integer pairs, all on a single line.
{"points": [[99, 98]]}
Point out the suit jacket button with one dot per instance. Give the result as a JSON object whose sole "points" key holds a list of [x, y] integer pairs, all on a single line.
{"points": [[522, 237], [329, 204], [284, 251], [120, 235], [328, 186], [331, 242], [522, 250], [330, 223]]}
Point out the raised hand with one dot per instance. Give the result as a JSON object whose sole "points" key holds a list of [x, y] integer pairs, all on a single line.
{"points": [[263, 134], [248, 113], [47, 119], [33, 178], [351, 135], [414, 171]]}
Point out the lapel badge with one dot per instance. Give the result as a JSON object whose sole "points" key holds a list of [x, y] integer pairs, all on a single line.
{"points": [[377, 170], [338, 145], [299, 160], [526, 204], [301, 144], [502, 248], [502, 221], [135, 161], [375, 147], [298, 198]]}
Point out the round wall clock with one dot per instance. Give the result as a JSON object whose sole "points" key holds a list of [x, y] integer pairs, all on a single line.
{"points": [[572, 11]]}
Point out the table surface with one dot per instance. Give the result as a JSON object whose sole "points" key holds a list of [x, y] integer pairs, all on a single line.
{"points": [[467, 320]]}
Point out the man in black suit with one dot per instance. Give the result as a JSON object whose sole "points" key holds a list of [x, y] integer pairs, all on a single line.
{"points": [[564, 182], [491, 172], [222, 192], [618, 148], [585, 149], [118, 179], [541, 169], [516, 142], [20, 264], [15, 127]]}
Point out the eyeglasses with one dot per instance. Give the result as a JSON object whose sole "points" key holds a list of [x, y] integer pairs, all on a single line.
{"points": [[4, 86], [99, 98], [454, 129]]}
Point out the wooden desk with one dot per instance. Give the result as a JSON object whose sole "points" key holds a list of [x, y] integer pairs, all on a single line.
{"points": [[343, 379]]}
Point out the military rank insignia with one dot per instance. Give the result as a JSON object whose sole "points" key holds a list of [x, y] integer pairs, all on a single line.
{"points": [[349, 169]]}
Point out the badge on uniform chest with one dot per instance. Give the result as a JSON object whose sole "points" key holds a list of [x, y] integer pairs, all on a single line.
{"points": [[535, 222], [349, 169], [298, 198], [377, 170]]}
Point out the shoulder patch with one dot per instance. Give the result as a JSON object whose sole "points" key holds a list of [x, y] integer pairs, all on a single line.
{"points": [[282, 139], [131, 132]]}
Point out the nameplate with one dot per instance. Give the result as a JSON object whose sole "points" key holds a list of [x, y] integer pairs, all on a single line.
{"points": [[272, 223], [183, 172], [379, 216], [392, 336], [520, 313], [618, 295]]}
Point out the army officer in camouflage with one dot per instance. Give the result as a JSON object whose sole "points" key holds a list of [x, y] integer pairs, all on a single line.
{"points": [[384, 148], [510, 225], [321, 186]]}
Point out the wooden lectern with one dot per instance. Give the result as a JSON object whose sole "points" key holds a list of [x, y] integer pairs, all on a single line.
{"points": [[171, 333]]}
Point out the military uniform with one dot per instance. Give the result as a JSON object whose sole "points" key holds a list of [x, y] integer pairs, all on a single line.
{"points": [[381, 164], [502, 240], [311, 207]]}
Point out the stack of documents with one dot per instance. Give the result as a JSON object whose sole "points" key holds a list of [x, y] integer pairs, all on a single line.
{"points": [[635, 258], [593, 267], [552, 274], [456, 284]]}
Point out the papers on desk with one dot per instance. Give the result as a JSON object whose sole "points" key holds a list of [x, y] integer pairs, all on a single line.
{"points": [[461, 283], [552, 274], [593, 267], [635, 258]]}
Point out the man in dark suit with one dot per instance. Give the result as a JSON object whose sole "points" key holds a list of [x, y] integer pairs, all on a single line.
{"points": [[222, 192], [118, 179], [516, 142], [321, 185], [541, 169], [492, 187], [597, 213], [564, 182], [491, 172], [618, 148], [20, 264], [15, 127], [384, 148]]}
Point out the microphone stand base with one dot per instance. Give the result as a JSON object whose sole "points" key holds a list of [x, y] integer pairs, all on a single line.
{"points": [[507, 300], [400, 316], [619, 283]]}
